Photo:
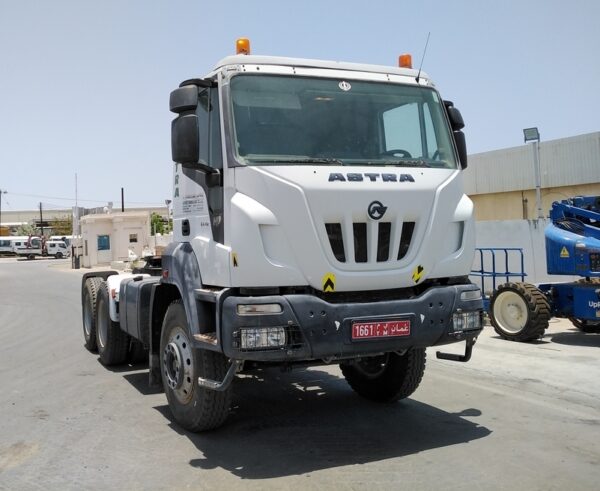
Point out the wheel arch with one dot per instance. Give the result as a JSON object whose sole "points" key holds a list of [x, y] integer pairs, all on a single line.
{"points": [[181, 271]]}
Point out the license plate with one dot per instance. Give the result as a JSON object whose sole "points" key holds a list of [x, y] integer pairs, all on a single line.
{"points": [[380, 329]]}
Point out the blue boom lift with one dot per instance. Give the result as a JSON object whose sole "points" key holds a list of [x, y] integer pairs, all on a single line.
{"points": [[521, 311]]}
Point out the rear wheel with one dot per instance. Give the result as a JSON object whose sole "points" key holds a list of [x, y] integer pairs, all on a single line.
{"points": [[388, 377], [88, 310], [193, 407], [113, 344], [519, 312], [586, 325]]}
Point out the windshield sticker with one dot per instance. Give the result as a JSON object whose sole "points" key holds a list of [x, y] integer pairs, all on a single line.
{"points": [[345, 86]]}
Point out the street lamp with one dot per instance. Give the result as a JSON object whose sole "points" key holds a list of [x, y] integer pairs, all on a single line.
{"points": [[532, 135], [1, 193]]}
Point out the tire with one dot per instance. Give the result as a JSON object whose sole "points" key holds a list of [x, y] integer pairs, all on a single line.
{"points": [[30, 257], [194, 407], [112, 343], [585, 325], [58, 255], [386, 378], [519, 312], [88, 312]]}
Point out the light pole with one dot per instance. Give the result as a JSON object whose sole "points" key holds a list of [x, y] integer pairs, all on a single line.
{"points": [[533, 135], [168, 202], [1, 193]]}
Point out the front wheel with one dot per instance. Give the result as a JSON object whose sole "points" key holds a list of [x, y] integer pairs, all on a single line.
{"points": [[519, 312], [193, 407], [386, 378], [58, 255]]}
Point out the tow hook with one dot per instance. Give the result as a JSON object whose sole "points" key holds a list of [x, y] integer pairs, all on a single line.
{"points": [[221, 386], [454, 357]]}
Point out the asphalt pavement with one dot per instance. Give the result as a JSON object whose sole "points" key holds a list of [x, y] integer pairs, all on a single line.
{"points": [[517, 416]]}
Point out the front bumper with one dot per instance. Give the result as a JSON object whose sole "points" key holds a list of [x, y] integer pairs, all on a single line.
{"points": [[317, 329]]}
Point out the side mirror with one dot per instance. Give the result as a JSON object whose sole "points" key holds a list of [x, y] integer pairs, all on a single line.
{"points": [[185, 139], [457, 124], [183, 99]]}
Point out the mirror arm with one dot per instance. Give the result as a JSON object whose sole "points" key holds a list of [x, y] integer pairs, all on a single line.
{"points": [[213, 176]]}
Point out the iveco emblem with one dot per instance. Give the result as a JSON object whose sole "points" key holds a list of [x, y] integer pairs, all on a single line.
{"points": [[376, 210], [345, 86]]}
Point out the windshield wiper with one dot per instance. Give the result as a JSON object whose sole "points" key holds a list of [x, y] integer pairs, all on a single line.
{"points": [[405, 163], [307, 160]]}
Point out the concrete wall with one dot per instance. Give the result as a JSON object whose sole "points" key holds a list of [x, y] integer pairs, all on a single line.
{"points": [[525, 234]]}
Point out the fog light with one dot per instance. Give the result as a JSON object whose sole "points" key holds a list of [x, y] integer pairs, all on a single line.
{"points": [[466, 321], [262, 337], [259, 309]]}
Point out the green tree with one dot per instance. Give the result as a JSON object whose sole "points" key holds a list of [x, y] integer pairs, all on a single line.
{"points": [[26, 229], [158, 225]]}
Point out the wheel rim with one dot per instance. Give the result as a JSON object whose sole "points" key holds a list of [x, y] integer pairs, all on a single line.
{"points": [[373, 367], [87, 317], [102, 325], [178, 365], [510, 312]]}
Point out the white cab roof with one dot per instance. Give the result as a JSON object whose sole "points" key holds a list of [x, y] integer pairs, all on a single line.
{"points": [[321, 64]]}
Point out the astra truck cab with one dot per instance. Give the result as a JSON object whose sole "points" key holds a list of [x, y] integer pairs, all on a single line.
{"points": [[319, 218]]}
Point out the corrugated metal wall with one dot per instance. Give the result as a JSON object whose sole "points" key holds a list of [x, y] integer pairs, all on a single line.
{"points": [[564, 162]]}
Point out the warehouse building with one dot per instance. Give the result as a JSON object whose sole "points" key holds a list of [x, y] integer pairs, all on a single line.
{"points": [[501, 183]]}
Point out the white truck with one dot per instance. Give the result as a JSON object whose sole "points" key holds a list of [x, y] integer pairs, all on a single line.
{"points": [[319, 218]]}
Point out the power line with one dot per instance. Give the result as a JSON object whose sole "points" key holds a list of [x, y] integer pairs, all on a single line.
{"points": [[87, 200]]}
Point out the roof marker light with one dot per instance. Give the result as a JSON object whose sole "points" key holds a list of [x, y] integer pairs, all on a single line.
{"points": [[242, 46], [405, 61]]}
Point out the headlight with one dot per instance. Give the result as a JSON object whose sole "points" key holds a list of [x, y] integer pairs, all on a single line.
{"points": [[471, 295], [262, 337], [466, 321]]}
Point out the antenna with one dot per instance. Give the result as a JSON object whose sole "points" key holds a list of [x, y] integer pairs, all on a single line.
{"points": [[423, 58]]}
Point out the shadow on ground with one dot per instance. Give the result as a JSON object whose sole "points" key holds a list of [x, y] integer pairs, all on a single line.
{"points": [[289, 424], [575, 337]]}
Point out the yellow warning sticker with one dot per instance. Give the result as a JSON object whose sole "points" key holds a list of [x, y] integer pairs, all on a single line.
{"points": [[564, 253], [418, 273], [234, 259], [329, 282]]}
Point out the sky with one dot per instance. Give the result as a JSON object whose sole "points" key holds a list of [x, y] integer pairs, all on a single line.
{"points": [[84, 85]]}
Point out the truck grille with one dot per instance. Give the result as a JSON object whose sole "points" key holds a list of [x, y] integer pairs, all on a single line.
{"points": [[370, 242]]}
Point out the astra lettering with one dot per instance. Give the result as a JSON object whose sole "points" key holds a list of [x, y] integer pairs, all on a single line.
{"points": [[371, 176]]}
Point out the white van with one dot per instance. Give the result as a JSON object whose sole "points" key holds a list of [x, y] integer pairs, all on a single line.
{"points": [[7, 243], [58, 249]]}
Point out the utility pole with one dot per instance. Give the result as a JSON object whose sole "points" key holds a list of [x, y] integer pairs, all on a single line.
{"points": [[122, 199], [1, 193], [41, 220]]}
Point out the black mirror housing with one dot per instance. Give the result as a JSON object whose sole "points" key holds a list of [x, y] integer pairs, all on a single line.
{"points": [[461, 147], [456, 119], [183, 99], [185, 144]]}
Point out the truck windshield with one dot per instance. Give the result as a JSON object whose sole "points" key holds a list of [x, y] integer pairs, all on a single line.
{"points": [[320, 121]]}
